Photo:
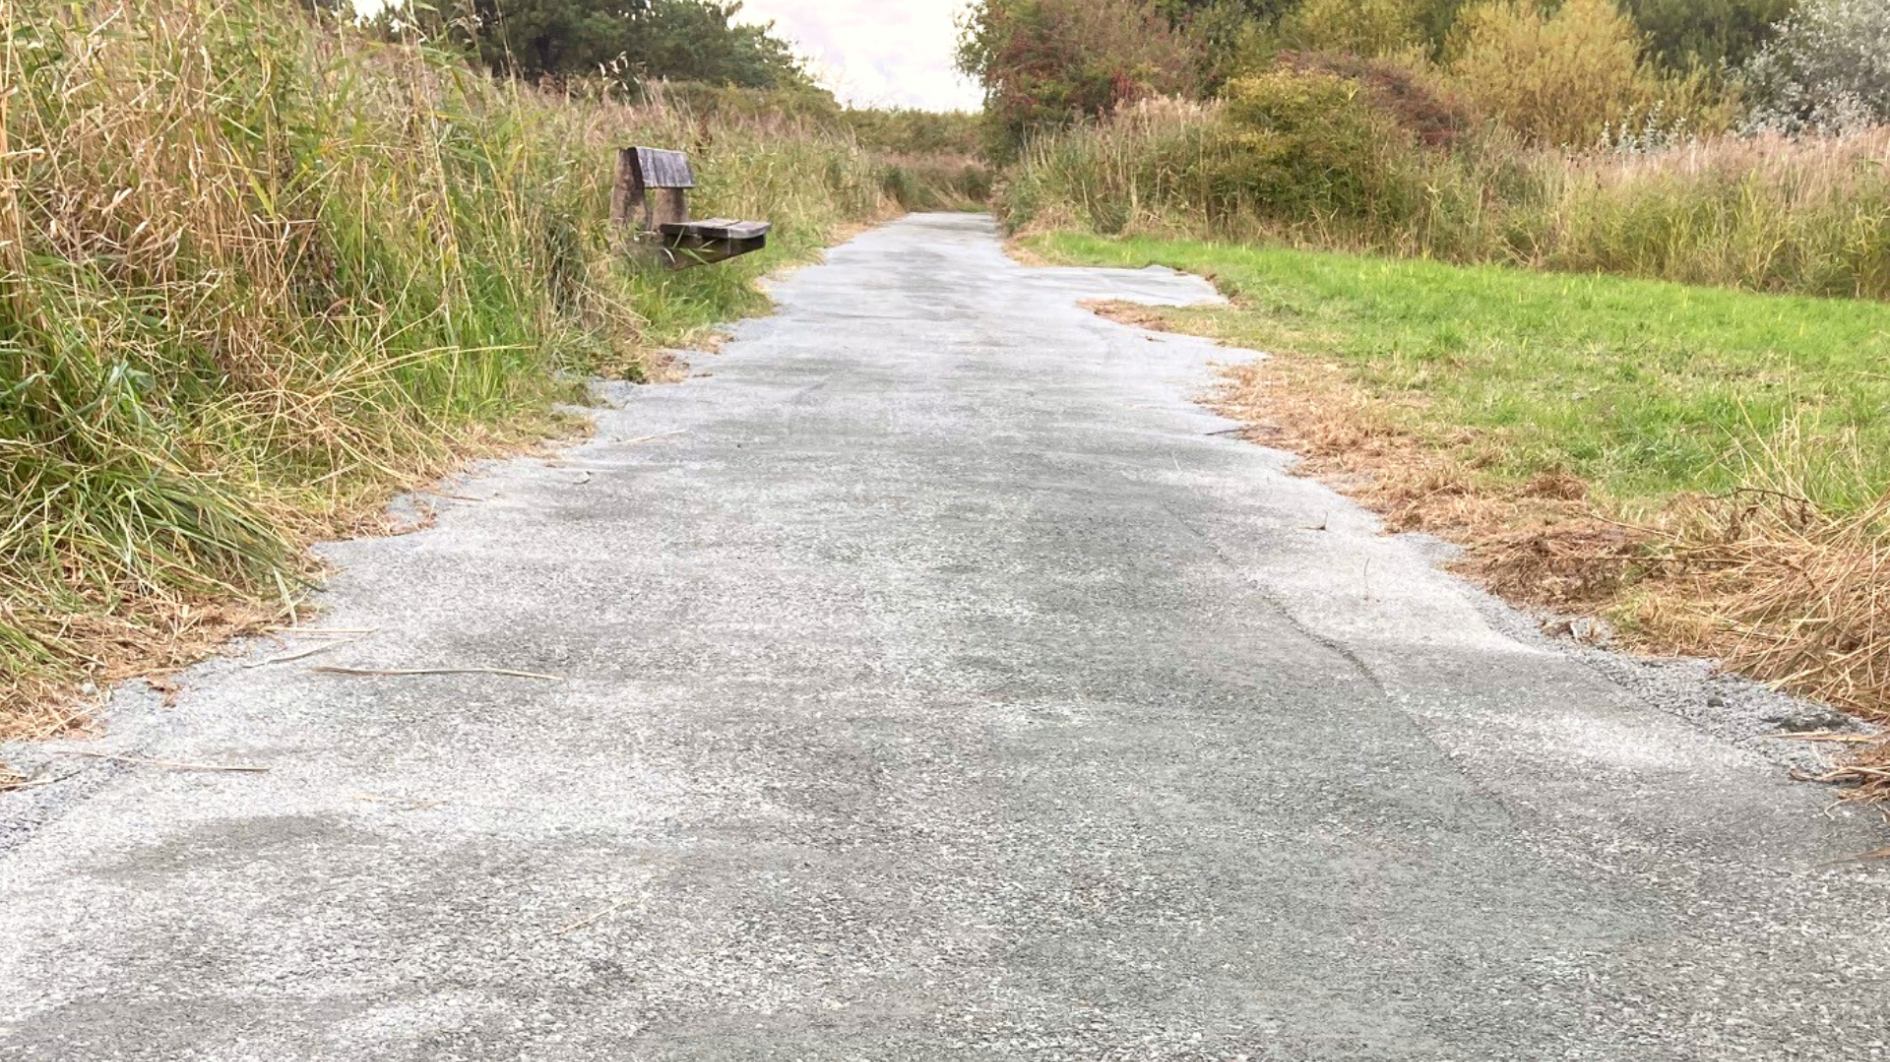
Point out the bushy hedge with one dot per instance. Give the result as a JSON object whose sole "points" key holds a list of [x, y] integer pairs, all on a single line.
{"points": [[1305, 146], [1566, 72], [1313, 158]]}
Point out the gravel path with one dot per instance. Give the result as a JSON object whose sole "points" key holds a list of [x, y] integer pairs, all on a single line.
{"points": [[935, 686]]}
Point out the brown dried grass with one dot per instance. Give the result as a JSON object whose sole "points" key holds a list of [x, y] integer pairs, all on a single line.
{"points": [[153, 641], [141, 629], [1542, 543], [1763, 580], [1789, 593]]}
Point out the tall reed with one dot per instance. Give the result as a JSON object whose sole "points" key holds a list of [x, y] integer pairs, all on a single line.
{"points": [[257, 271]]}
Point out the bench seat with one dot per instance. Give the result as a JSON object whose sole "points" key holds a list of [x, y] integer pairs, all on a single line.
{"points": [[717, 229]]}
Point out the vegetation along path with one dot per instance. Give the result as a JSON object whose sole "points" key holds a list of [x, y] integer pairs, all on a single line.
{"points": [[934, 680]]}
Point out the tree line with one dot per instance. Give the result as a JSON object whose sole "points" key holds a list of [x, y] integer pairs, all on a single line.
{"points": [[630, 42], [1558, 71]]}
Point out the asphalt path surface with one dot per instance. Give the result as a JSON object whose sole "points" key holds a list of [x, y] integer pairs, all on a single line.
{"points": [[935, 684]]}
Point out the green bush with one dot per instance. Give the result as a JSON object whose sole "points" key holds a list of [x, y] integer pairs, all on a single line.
{"points": [[904, 131], [1557, 75], [1687, 34], [1359, 27], [1284, 149], [1045, 64], [1304, 147], [1408, 93]]}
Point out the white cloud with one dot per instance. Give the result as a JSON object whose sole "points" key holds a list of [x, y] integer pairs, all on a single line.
{"points": [[876, 52]]}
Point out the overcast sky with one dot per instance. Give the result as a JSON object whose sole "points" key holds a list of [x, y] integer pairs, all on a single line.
{"points": [[876, 52]]}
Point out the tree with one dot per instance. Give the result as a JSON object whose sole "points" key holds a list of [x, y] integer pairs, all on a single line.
{"points": [[699, 40], [1180, 12], [1828, 70], [1223, 32], [1243, 36], [1046, 63], [1688, 34], [676, 40]]}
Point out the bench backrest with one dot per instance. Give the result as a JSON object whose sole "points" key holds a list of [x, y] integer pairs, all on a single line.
{"points": [[656, 168], [642, 171]]}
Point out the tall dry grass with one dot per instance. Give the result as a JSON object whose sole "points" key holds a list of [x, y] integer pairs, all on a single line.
{"points": [[1782, 584], [1766, 213], [256, 272]]}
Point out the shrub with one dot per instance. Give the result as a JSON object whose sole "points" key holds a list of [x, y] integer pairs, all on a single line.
{"points": [[1688, 35], [1283, 149], [1225, 33], [1769, 214], [1360, 27], [1306, 146], [1557, 78], [1828, 70], [1409, 93], [904, 131]]}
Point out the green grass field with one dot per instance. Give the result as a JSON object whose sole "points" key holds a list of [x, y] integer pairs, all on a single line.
{"points": [[1643, 388]]}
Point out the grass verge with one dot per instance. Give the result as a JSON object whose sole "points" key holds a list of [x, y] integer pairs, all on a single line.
{"points": [[258, 273], [1707, 469]]}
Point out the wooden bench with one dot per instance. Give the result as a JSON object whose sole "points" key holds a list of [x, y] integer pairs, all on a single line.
{"points": [[650, 207]]}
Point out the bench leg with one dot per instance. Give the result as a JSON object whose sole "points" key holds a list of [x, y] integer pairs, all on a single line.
{"points": [[628, 208], [672, 208]]}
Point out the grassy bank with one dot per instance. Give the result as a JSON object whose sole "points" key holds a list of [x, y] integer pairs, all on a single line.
{"points": [[1710, 469], [257, 273]]}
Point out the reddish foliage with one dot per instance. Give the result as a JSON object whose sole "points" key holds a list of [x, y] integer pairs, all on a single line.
{"points": [[1045, 63]]}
